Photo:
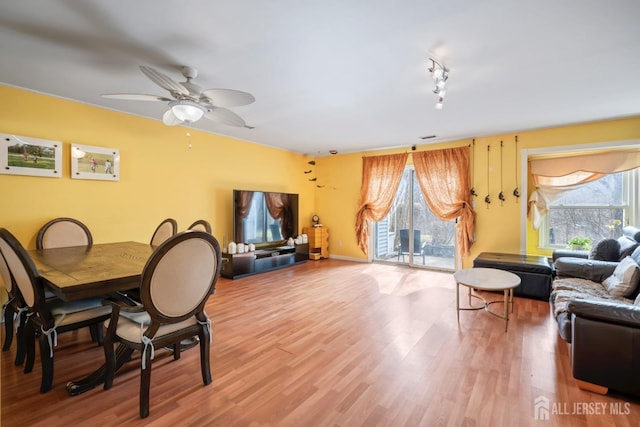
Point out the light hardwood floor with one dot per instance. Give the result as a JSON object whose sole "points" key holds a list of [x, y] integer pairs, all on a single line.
{"points": [[333, 343]]}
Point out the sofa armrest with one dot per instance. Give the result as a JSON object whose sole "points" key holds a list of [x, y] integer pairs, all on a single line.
{"points": [[559, 253], [589, 269], [606, 311]]}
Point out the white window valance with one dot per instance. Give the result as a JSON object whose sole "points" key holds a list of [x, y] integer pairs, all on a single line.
{"points": [[606, 163], [554, 176]]}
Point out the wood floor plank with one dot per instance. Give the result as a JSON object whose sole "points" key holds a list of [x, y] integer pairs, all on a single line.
{"points": [[331, 343]]}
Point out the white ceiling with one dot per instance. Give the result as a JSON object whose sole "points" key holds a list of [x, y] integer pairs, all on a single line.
{"points": [[340, 74]]}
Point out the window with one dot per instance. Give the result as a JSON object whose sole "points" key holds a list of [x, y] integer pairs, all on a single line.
{"points": [[433, 243], [597, 210]]}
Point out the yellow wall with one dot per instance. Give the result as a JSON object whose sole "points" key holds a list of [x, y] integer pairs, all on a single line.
{"points": [[160, 176], [498, 225]]}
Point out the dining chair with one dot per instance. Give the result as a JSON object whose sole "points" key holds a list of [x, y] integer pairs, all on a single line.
{"points": [[63, 232], [186, 344], [201, 225], [14, 313], [166, 229], [176, 282], [45, 318]]}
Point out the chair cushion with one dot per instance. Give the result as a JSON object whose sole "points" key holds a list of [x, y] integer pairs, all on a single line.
{"points": [[58, 307], [81, 316], [67, 313], [131, 327], [624, 280], [605, 250]]}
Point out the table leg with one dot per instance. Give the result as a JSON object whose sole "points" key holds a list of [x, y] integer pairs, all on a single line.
{"points": [[458, 302], [511, 298], [506, 309], [74, 388]]}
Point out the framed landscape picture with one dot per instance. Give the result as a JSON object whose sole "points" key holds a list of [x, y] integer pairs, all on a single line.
{"points": [[100, 163], [25, 155]]}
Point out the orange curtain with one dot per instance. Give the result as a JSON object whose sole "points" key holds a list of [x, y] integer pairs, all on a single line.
{"points": [[443, 176], [381, 176]]}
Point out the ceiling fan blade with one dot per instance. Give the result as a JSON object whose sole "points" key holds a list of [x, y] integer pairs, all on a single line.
{"points": [[135, 97], [163, 81], [170, 119], [228, 97], [224, 116]]}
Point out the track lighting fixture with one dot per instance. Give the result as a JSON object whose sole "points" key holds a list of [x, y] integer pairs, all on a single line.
{"points": [[440, 75]]}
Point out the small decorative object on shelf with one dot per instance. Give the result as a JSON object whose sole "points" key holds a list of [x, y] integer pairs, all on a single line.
{"points": [[232, 248], [316, 221]]}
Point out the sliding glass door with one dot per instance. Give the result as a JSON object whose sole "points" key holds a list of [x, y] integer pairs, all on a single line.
{"points": [[411, 234]]}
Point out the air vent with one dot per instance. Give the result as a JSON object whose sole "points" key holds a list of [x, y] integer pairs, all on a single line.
{"points": [[427, 137]]}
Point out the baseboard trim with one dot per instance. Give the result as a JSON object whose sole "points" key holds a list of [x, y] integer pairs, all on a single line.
{"points": [[595, 388], [345, 258]]}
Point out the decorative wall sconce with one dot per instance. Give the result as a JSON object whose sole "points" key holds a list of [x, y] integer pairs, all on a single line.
{"points": [[440, 75]]}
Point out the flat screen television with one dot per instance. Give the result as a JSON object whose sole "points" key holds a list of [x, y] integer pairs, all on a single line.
{"points": [[264, 218]]}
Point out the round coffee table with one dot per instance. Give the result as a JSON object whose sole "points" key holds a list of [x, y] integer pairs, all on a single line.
{"points": [[486, 279]]}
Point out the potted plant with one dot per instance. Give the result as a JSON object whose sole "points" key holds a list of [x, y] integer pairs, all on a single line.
{"points": [[579, 244]]}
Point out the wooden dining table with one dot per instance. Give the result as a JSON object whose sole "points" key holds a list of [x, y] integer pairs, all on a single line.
{"points": [[100, 270], [79, 272]]}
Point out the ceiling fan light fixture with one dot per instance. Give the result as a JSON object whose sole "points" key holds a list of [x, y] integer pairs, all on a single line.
{"points": [[187, 111]]}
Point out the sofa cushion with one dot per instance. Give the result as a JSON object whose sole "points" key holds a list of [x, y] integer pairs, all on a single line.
{"points": [[570, 289], [590, 269], [636, 255], [624, 280], [605, 250], [565, 290], [627, 246], [631, 232]]}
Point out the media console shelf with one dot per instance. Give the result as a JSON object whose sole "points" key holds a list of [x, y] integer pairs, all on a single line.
{"points": [[265, 259]]}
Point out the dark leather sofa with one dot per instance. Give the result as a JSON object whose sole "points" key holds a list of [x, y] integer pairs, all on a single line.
{"points": [[605, 347], [604, 331], [580, 277]]}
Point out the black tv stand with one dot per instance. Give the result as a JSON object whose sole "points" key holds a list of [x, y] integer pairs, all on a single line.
{"points": [[263, 259]]}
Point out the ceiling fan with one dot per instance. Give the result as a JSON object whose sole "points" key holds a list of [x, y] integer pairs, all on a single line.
{"points": [[189, 102]]}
